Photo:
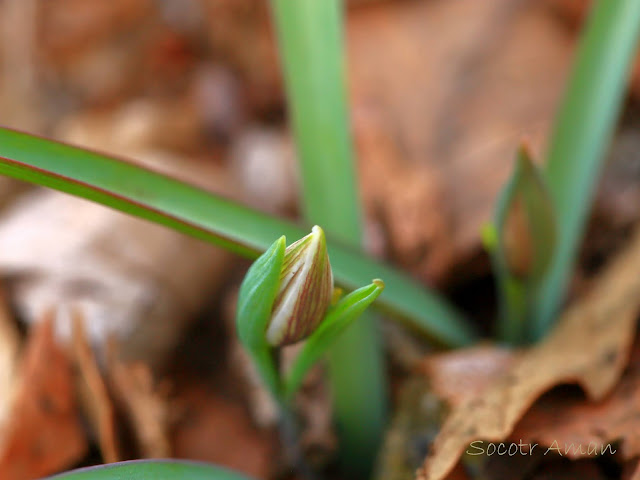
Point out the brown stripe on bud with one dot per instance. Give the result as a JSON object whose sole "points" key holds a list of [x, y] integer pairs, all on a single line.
{"points": [[306, 289]]}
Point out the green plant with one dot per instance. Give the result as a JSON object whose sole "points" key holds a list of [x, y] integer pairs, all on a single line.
{"points": [[523, 244], [583, 130], [287, 296], [310, 34], [582, 133]]}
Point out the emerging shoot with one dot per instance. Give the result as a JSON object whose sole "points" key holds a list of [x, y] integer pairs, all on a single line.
{"points": [[288, 296], [524, 243]]}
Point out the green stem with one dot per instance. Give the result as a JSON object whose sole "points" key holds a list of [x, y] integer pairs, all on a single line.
{"points": [[513, 311], [583, 131], [312, 50]]}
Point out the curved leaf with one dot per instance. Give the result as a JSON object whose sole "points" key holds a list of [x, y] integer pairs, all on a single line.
{"points": [[160, 199], [338, 319], [152, 470]]}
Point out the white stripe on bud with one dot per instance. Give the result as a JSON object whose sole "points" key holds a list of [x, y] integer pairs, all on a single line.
{"points": [[306, 290]]}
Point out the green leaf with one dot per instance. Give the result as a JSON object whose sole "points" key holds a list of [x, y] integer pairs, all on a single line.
{"points": [[152, 470], [255, 302], [582, 133], [160, 199], [338, 319]]}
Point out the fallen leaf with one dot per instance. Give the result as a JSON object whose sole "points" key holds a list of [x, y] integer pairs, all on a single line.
{"points": [[407, 201], [217, 429], [570, 471], [472, 368], [582, 428], [93, 392], [455, 87], [9, 346], [631, 470], [43, 434], [145, 404], [590, 347]]}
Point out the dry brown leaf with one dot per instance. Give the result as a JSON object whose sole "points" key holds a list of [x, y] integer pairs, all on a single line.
{"points": [[577, 426], [458, 84], [631, 470], [9, 345], [406, 201], [217, 429], [457, 375], [44, 434], [590, 346], [145, 404], [93, 393]]}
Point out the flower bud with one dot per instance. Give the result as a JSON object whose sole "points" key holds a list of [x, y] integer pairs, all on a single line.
{"points": [[528, 222], [305, 292]]}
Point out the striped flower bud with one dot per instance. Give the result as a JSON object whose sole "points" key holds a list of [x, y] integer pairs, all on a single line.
{"points": [[305, 292]]}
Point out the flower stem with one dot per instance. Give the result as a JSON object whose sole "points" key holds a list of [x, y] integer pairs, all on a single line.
{"points": [[312, 52]]}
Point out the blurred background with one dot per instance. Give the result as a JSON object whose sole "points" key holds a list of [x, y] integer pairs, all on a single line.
{"points": [[441, 95]]}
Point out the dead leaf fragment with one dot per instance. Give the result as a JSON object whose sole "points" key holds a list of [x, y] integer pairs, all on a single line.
{"points": [[631, 470], [590, 347], [9, 345], [572, 421], [93, 393], [458, 85], [472, 370], [217, 429], [44, 434], [145, 404]]}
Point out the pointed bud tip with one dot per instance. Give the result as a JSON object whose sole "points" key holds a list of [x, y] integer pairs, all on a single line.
{"points": [[318, 232], [378, 283]]}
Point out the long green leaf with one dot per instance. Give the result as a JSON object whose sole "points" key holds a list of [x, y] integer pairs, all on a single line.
{"points": [[160, 199], [152, 470], [583, 132], [312, 51]]}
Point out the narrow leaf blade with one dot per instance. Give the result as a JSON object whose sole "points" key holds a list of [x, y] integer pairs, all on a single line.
{"points": [[160, 199], [583, 130]]}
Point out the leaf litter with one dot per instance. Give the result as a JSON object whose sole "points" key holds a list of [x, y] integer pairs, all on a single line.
{"points": [[590, 347]]}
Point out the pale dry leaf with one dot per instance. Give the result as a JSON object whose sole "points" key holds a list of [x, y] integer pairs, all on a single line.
{"points": [[141, 282], [9, 346], [455, 376], [43, 434], [145, 404], [590, 347], [94, 395]]}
